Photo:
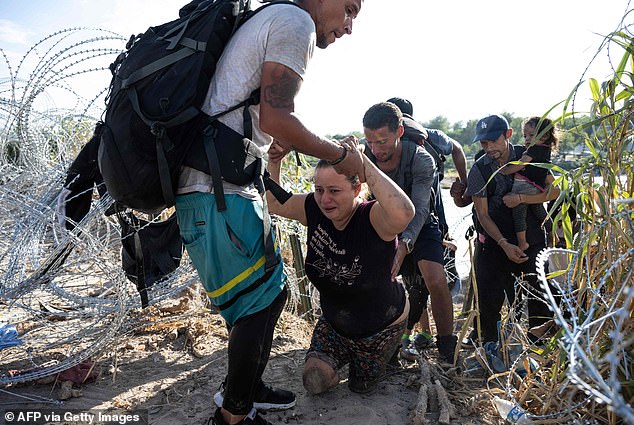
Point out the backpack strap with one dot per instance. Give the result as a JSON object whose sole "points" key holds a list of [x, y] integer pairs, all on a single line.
{"points": [[276, 190], [408, 181], [409, 177], [418, 134], [439, 159], [209, 136], [130, 227], [271, 258]]}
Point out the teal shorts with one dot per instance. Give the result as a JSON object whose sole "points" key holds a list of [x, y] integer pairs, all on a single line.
{"points": [[227, 249]]}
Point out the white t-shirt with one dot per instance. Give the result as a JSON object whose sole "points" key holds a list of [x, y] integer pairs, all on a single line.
{"points": [[283, 34]]}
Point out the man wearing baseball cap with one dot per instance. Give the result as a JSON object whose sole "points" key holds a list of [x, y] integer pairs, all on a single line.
{"points": [[498, 259]]}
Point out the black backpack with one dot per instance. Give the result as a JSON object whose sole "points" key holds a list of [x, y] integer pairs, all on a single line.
{"points": [[418, 134], [151, 250], [153, 115]]}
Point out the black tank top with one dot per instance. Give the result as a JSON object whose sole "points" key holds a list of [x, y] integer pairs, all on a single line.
{"points": [[351, 270]]}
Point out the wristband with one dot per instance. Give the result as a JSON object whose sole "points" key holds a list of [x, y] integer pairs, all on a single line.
{"points": [[502, 240], [341, 158]]}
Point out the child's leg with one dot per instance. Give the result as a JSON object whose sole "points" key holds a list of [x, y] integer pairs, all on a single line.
{"points": [[519, 221], [521, 186]]}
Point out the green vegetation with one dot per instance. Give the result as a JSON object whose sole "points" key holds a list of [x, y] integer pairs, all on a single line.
{"points": [[585, 372]]}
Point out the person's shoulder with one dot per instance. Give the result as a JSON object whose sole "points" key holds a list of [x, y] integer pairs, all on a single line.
{"points": [[538, 150], [417, 150], [421, 159], [440, 141], [481, 158], [436, 133], [285, 15], [285, 11], [518, 150], [413, 130], [310, 200]]}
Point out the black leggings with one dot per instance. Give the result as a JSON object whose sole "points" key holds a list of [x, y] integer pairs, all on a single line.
{"points": [[416, 290], [250, 341]]}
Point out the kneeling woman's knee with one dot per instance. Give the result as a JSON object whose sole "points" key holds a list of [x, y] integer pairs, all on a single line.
{"points": [[318, 376]]}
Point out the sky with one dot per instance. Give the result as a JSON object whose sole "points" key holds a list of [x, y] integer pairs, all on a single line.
{"points": [[462, 59]]}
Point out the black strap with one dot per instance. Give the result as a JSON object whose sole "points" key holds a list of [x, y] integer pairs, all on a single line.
{"points": [[130, 227], [272, 260], [276, 190], [158, 64], [209, 142], [254, 285], [164, 171], [253, 99], [140, 269], [247, 120], [438, 158], [179, 119]]}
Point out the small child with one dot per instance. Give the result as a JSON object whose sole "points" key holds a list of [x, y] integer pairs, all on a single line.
{"points": [[530, 179]]}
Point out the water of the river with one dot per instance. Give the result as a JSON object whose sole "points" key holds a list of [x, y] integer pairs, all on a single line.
{"points": [[459, 220]]}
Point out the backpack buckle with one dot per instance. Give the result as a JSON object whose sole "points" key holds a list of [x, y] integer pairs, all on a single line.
{"points": [[210, 131], [157, 129]]}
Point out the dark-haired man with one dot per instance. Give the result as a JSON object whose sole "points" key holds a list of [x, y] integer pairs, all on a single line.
{"points": [[229, 249], [413, 169], [439, 145]]}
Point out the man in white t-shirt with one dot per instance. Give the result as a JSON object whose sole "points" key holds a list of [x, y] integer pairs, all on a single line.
{"points": [[271, 52]]}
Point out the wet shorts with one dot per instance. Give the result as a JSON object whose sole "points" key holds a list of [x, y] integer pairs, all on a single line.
{"points": [[227, 249], [367, 357], [428, 246]]}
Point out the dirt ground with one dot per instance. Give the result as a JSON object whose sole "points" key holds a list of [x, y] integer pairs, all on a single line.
{"points": [[173, 367]]}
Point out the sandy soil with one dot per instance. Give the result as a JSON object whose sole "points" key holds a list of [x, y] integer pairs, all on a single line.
{"points": [[173, 367]]}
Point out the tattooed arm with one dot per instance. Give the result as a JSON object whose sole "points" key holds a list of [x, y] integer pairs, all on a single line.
{"points": [[279, 86]]}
